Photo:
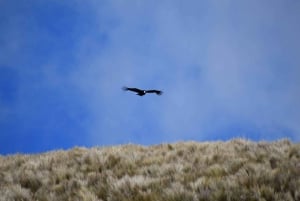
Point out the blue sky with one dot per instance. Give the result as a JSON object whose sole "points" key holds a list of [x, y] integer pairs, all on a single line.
{"points": [[227, 68]]}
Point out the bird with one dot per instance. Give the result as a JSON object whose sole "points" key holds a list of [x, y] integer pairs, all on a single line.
{"points": [[142, 92]]}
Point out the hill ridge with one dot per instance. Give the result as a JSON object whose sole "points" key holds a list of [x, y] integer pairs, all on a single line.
{"points": [[238, 169]]}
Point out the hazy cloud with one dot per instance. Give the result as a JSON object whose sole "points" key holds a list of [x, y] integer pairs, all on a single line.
{"points": [[218, 68], [227, 69]]}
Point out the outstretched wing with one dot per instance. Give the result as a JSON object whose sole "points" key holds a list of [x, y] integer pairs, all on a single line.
{"points": [[133, 89], [154, 91]]}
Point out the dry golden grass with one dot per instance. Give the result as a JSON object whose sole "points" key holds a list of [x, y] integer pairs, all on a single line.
{"points": [[233, 170]]}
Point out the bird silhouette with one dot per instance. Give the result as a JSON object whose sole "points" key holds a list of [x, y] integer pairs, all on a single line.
{"points": [[142, 92]]}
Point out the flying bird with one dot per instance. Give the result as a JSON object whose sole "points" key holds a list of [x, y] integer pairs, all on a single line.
{"points": [[142, 92]]}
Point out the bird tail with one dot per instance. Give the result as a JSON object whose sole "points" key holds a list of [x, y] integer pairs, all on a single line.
{"points": [[125, 88]]}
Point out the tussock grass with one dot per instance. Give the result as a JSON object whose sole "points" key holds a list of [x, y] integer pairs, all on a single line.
{"points": [[233, 170]]}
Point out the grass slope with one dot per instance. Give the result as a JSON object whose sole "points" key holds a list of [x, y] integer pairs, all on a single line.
{"points": [[233, 170]]}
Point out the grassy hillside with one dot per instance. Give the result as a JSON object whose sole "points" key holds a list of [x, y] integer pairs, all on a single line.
{"points": [[234, 170]]}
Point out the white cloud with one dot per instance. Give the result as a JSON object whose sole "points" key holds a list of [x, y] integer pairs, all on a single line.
{"points": [[217, 69], [220, 65]]}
